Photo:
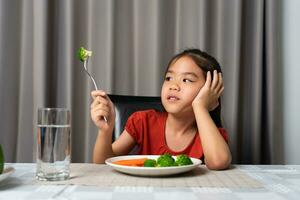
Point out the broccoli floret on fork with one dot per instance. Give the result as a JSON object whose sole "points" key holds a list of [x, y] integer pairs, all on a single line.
{"points": [[83, 54]]}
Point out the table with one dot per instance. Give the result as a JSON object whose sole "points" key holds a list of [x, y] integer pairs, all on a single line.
{"points": [[275, 182]]}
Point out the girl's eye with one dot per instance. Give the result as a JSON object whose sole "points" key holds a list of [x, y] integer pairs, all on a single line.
{"points": [[187, 80], [168, 78]]}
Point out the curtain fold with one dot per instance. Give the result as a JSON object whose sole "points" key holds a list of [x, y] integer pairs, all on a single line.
{"points": [[250, 81], [273, 125], [25, 92], [132, 42]]}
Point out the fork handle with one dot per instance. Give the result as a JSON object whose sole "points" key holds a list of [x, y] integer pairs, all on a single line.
{"points": [[94, 82]]}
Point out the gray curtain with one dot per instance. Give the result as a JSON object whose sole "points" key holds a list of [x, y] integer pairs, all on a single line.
{"points": [[132, 41]]}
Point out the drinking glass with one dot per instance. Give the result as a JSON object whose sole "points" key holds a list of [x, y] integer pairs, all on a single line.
{"points": [[53, 144]]}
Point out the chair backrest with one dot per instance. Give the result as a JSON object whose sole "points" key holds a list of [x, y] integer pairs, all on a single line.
{"points": [[126, 105]]}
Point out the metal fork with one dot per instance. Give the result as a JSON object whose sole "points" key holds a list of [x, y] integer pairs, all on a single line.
{"points": [[92, 78]]}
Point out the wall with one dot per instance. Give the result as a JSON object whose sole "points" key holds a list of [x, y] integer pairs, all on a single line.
{"points": [[291, 80]]}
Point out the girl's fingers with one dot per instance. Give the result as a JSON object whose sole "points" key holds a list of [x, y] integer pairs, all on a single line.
{"points": [[101, 113], [100, 107], [96, 93], [95, 102], [110, 102], [220, 83], [99, 100], [102, 100], [215, 80], [103, 95], [221, 91], [208, 79]]}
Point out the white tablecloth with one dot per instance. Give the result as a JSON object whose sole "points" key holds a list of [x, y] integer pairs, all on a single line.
{"points": [[277, 182]]}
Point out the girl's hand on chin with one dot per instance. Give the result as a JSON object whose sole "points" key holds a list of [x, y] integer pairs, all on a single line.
{"points": [[209, 94]]}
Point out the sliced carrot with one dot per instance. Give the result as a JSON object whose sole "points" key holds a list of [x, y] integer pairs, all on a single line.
{"points": [[131, 162]]}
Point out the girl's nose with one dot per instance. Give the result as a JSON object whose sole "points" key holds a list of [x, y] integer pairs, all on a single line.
{"points": [[174, 86]]}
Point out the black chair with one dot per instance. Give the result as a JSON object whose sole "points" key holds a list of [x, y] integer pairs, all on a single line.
{"points": [[126, 105]]}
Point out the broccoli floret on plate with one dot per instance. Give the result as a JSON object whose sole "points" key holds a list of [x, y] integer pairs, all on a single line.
{"points": [[150, 163], [165, 160], [183, 160]]}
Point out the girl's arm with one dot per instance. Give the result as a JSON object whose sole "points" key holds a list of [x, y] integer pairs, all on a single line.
{"points": [[215, 149], [103, 149]]}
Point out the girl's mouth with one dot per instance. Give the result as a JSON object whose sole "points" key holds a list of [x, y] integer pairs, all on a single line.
{"points": [[172, 98]]}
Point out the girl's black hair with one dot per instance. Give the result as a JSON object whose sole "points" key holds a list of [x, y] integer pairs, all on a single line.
{"points": [[207, 63]]}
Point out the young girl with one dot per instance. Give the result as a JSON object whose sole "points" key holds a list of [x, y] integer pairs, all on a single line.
{"points": [[191, 90]]}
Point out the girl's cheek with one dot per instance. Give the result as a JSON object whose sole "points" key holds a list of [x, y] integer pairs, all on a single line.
{"points": [[194, 93], [163, 89]]}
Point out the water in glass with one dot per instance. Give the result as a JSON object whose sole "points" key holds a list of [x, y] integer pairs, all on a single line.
{"points": [[53, 152]]}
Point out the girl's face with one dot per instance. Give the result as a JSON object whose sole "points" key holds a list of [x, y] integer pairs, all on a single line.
{"points": [[183, 81]]}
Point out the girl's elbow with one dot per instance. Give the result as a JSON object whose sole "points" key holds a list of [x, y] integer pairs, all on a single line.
{"points": [[219, 163], [98, 161]]}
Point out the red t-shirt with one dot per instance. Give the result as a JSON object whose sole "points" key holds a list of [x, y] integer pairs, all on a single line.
{"points": [[148, 130]]}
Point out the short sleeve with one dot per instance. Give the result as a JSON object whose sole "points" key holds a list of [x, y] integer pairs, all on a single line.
{"points": [[134, 126], [224, 134]]}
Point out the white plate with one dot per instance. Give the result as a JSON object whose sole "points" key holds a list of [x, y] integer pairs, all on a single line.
{"points": [[6, 173], [150, 171]]}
